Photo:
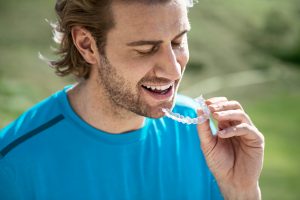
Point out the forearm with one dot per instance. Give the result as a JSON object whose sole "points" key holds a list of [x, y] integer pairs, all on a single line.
{"points": [[234, 193]]}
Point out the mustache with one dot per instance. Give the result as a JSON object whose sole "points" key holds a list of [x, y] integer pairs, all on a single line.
{"points": [[155, 80]]}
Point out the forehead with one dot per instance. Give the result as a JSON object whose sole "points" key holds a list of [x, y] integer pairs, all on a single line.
{"points": [[149, 20]]}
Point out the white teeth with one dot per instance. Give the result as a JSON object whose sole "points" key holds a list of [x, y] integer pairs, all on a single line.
{"points": [[164, 87]]}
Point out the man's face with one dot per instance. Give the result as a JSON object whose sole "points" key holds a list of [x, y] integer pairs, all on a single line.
{"points": [[145, 56]]}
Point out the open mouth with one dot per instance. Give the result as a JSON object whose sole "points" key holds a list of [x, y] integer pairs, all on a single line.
{"points": [[161, 90]]}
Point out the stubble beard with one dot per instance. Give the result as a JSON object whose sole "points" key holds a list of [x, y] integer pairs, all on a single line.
{"points": [[123, 98]]}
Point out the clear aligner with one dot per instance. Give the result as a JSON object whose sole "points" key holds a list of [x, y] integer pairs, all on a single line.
{"points": [[187, 120]]}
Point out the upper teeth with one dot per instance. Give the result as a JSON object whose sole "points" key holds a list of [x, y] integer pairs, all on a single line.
{"points": [[163, 87]]}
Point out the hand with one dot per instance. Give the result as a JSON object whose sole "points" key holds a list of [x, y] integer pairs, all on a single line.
{"points": [[235, 155]]}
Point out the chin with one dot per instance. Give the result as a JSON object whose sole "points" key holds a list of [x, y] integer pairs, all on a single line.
{"points": [[151, 110], [157, 115], [156, 112]]}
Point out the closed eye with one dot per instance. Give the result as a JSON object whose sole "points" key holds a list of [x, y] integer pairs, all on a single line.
{"points": [[148, 51], [177, 44]]}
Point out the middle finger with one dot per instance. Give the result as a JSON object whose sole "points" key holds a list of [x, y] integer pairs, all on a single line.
{"points": [[232, 116]]}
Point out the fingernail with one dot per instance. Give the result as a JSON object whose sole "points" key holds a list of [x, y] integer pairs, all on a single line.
{"points": [[222, 132]]}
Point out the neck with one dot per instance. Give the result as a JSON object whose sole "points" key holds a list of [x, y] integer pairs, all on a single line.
{"points": [[90, 102]]}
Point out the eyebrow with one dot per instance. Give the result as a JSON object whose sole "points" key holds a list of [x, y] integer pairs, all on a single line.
{"points": [[153, 42]]}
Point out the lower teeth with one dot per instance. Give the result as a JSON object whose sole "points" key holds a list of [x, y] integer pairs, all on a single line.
{"points": [[164, 91], [159, 92]]}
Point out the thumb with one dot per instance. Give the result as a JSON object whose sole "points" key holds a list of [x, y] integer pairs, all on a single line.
{"points": [[204, 131]]}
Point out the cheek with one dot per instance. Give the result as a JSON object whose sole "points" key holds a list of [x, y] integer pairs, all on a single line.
{"points": [[183, 57], [139, 67], [186, 54], [132, 69]]}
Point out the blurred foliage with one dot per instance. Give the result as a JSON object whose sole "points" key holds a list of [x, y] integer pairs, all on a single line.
{"points": [[279, 36], [245, 50], [242, 35]]}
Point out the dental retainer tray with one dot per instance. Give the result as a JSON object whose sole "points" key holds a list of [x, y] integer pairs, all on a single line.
{"points": [[187, 120]]}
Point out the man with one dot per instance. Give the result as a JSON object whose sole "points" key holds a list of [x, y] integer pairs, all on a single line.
{"points": [[106, 137]]}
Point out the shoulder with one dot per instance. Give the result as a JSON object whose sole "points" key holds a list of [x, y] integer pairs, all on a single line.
{"points": [[32, 121]]}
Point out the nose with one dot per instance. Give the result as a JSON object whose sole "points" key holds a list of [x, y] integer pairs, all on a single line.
{"points": [[169, 64]]}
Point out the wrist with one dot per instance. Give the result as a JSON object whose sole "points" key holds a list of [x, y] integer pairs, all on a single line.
{"points": [[241, 193]]}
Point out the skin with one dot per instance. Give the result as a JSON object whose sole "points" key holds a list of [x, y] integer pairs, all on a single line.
{"points": [[235, 155], [153, 50], [113, 91]]}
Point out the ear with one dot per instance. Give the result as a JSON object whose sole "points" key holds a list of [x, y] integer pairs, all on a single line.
{"points": [[85, 44]]}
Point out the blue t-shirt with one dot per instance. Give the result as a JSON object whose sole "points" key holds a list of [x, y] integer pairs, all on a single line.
{"points": [[49, 152]]}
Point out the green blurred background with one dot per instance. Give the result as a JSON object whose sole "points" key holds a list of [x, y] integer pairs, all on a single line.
{"points": [[247, 50]]}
